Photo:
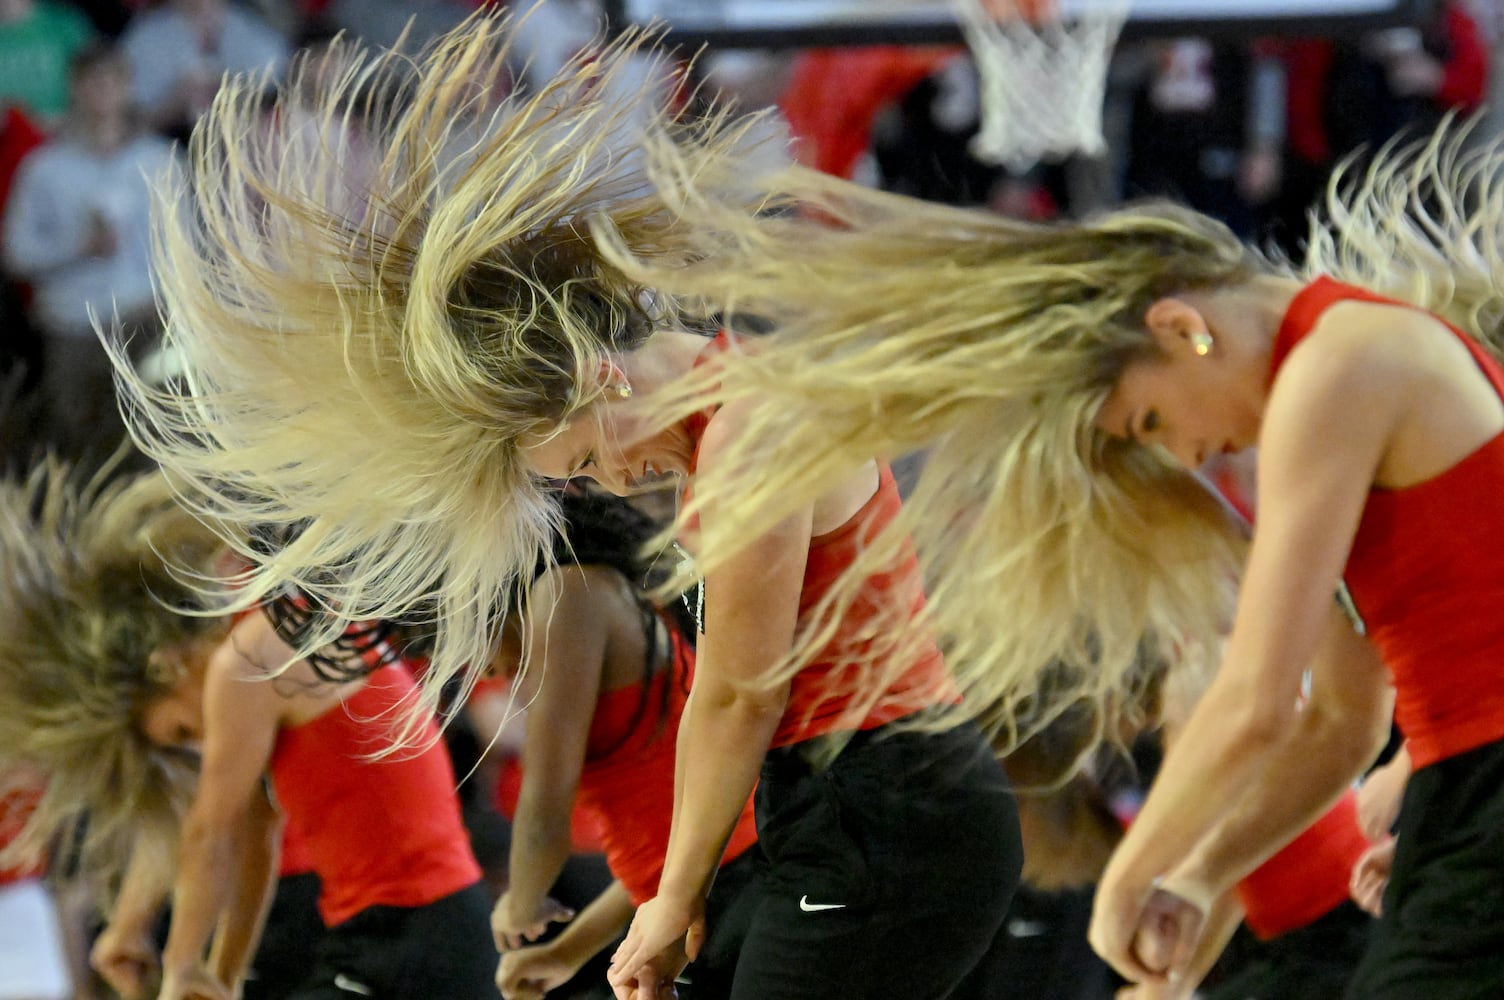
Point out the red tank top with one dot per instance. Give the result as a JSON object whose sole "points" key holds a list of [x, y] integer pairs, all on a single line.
{"points": [[378, 832], [1426, 573], [628, 778], [1309, 877], [822, 696], [293, 858]]}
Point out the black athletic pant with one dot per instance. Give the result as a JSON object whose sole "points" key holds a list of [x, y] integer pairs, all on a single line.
{"points": [[290, 940], [1314, 962], [1442, 933], [442, 950], [888, 874], [734, 898]]}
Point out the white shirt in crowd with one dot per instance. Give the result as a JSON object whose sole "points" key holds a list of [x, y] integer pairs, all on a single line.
{"points": [[163, 46], [59, 190]]}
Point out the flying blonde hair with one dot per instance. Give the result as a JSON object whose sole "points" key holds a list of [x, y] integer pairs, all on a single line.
{"points": [[91, 584], [1051, 551], [380, 282]]}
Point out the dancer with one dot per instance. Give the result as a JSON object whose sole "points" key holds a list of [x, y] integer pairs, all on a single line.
{"points": [[1070, 378], [607, 692], [110, 675], [402, 366]]}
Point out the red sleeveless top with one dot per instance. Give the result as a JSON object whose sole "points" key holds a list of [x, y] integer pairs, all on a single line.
{"points": [[822, 695], [293, 858], [1426, 573], [628, 778], [378, 832]]}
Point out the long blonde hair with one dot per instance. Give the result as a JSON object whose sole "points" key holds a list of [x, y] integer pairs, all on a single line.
{"points": [[379, 287], [1051, 552], [91, 584]]}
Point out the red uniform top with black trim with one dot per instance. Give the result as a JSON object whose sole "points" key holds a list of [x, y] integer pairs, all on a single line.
{"points": [[823, 693], [628, 778], [1426, 573], [378, 832]]}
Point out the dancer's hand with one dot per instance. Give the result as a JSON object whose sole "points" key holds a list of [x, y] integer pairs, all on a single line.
{"points": [[1169, 930], [1371, 877], [666, 934], [1149, 933], [196, 983], [529, 973], [515, 930], [126, 958]]}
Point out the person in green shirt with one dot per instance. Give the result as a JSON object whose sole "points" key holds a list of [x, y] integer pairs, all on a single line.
{"points": [[37, 41]]}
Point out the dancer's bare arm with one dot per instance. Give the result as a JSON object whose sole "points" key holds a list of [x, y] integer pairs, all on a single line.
{"points": [[242, 714]]}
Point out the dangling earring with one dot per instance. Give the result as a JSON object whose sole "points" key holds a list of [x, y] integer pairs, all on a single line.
{"points": [[623, 391], [1201, 343]]}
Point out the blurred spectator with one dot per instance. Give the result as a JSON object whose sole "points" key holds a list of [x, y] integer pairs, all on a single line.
{"points": [[835, 95], [1442, 67], [20, 344], [179, 50], [1207, 128], [923, 144], [109, 17], [37, 40], [19, 135], [77, 227], [382, 22], [1346, 96]]}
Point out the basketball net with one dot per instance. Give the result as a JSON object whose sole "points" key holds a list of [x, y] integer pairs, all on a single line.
{"points": [[1043, 78]]}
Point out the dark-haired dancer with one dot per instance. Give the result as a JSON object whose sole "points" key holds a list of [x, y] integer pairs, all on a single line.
{"points": [[605, 691]]}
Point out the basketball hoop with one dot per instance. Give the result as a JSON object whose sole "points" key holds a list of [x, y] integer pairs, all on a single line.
{"points": [[1043, 76]]}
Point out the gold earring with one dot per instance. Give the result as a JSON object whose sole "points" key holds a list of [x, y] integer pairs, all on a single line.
{"points": [[624, 390], [1201, 343]]}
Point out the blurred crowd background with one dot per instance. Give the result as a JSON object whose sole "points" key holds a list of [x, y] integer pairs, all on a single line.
{"points": [[97, 95]]}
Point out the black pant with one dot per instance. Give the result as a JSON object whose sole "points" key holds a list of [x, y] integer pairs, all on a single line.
{"points": [[888, 873], [734, 898], [1313, 962], [442, 950], [290, 940], [1442, 933]]}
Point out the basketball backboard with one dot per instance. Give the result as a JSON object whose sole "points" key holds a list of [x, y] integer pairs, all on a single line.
{"points": [[795, 23]]}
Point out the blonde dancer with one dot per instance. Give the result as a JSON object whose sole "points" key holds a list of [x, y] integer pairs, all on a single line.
{"points": [[399, 326], [1068, 379]]}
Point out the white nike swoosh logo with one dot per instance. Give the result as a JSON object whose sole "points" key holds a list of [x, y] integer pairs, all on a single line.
{"points": [[808, 907], [348, 985]]}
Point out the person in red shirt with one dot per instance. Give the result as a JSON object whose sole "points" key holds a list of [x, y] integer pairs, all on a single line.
{"points": [[608, 674], [98, 602]]}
